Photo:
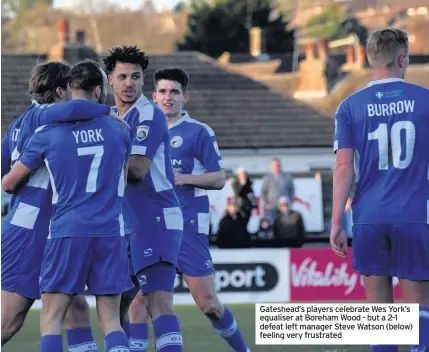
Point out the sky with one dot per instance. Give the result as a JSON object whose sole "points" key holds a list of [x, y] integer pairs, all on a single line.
{"points": [[132, 4]]}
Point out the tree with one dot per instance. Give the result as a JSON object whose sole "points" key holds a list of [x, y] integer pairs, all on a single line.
{"points": [[289, 7], [180, 7], [17, 8], [325, 24], [351, 26], [223, 25], [16, 13]]}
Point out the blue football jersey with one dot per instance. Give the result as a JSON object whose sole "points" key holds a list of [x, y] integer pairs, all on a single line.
{"points": [[85, 162], [387, 125], [194, 151], [31, 205], [152, 203]]}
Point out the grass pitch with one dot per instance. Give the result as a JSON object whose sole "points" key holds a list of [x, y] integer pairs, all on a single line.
{"points": [[198, 334]]}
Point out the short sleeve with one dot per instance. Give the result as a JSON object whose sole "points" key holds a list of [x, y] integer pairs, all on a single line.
{"points": [[207, 150], [34, 153], [148, 135], [343, 128]]}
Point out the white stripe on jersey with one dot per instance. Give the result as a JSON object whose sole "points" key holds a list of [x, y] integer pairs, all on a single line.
{"points": [[138, 149], [203, 223], [40, 179], [146, 112], [157, 171], [198, 170], [173, 218], [15, 155], [54, 189], [25, 216], [121, 225], [121, 184]]}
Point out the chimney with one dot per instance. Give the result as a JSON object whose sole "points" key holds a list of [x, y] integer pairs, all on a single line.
{"points": [[323, 50], [309, 50], [255, 41], [80, 37], [361, 57], [63, 31], [350, 55]]}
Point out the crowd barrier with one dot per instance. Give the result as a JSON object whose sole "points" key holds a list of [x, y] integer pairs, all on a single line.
{"points": [[277, 275]]}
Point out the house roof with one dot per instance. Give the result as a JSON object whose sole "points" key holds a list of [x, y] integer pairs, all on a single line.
{"points": [[242, 112]]}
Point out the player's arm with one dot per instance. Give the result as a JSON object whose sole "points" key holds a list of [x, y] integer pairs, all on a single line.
{"points": [[342, 180], [76, 110], [30, 160], [344, 170], [207, 153], [209, 180], [148, 137], [126, 172], [18, 175], [343, 177]]}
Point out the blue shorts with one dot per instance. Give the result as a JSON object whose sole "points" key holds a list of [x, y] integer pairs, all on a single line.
{"points": [[194, 255], [157, 277], [399, 250], [21, 259], [132, 287], [151, 247], [70, 263]]}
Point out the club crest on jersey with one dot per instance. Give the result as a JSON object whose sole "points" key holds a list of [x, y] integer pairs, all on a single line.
{"points": [[142, 132], [176, 141]]}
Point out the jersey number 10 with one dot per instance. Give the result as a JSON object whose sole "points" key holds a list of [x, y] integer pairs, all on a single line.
{"points": [[97, 151], [381, 134]]}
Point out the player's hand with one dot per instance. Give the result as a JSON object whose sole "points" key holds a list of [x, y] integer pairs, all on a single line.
{"points": [[116, 116], [338, 241], [180, 179]]}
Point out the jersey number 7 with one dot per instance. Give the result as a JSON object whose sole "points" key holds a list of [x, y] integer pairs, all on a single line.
{"points": [[97, 151], [382, 136]]}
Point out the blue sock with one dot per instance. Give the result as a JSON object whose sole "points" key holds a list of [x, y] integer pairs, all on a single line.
{"points": [[423, 345], [51, 343], [384, 348], [81, 340], [126, 328], [227, 328], [116, 341], [167, 334], [139, 341]]}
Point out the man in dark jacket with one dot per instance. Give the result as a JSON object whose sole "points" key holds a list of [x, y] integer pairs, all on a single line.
{"points": [[289, 225], [232, 232]]}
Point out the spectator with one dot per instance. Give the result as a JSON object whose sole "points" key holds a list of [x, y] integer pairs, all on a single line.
{"points": [[232, 231], [275, 185], [244, 195], [265, 231], [289, 224]]}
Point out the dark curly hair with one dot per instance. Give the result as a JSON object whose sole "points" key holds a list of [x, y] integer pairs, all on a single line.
{"points": [[126, 54], [172, 74]]}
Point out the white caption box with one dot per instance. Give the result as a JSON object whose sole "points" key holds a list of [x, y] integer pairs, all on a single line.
{"points": [[337, 324]]}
